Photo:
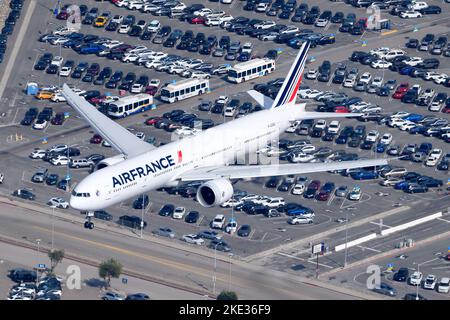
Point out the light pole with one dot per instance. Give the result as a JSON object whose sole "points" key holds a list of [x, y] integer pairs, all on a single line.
{"points": [[346, 236], [53, 226], [229, 275], [38, 241], [142, 216], [215, 268]]}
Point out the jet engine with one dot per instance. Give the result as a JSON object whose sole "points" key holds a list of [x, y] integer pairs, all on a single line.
{"points": [[214, 192], [109, 161]]}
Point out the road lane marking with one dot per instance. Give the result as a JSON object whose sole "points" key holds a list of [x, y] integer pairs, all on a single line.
{"points": [[370, 249]]}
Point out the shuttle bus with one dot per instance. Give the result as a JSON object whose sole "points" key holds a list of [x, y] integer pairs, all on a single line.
{"points": [[251, 69], [129, 105], [184, 89]]}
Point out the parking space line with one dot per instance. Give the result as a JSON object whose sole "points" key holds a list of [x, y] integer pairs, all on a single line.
{"points": [[370, 249]]}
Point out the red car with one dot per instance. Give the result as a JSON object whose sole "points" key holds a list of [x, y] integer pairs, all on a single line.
{"points": [[341, 109], [96, 139], [398, 95], [198, 20], [97, 100], [446, 110], [152, 120], [152, 90], [63, 15]]}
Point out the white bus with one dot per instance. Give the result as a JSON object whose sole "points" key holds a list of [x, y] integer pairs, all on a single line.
{"points": [[129, 105], [184, 89], [251, 69]]}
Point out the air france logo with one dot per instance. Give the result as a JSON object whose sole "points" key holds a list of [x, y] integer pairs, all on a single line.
{"points": [[143, 171]]}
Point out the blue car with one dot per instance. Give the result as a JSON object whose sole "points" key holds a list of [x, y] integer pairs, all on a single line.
{"points": [[298, 211], [91, 48], [402, 185], [418, 130], [414, 117], [364, 175], [381, 148], [407, 70]]}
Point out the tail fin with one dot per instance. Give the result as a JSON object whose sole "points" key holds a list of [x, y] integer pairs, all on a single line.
{"points": [[289, 89]]}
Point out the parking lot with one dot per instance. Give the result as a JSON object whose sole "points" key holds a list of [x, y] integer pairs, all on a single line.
{"points": [[19, 141]]}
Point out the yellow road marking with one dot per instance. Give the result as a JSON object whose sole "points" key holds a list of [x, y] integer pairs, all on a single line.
{"points": [[389, 32]]}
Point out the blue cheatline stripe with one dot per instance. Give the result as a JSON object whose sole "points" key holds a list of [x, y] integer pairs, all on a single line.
{"points": [[294, 75]]}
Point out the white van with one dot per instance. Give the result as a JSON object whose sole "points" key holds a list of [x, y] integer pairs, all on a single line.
{"points": [[218, 222], [444, 285]]}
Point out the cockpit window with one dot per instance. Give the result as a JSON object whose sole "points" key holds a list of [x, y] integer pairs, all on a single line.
{"points": [[83, 195]]}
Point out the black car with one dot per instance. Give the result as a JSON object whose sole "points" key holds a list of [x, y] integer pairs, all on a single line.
{"points": [[132, 222], [192, 217], [166, 210], [22, 275], [96, 158], [52, 179], [141, 202], [103, 215], [412, 43], [137, 296], [272, 182], [219, 245], [24, 194], [401, 275], [244, 230]]}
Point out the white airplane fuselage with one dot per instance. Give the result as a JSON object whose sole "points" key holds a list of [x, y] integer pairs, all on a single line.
{"points": [[217, 146]]}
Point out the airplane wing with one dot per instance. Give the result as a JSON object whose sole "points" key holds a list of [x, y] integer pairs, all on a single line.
{"points": [[120, 138], [255, 171]]}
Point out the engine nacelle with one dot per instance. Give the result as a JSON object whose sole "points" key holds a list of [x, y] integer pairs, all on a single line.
{"points": [[214, 192], [109, 162]]}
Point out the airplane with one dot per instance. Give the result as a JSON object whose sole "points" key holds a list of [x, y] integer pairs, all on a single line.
{"points": [[208, 156]]}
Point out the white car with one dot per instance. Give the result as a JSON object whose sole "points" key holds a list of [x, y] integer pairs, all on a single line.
{"points": [[300, 220], [393, 54], [38, 154], [40, 124], [290, 29], [117, 19], [386, 138], [216, 14], [433, 158], [225, 18], [179, 212], [247, 48], [137, 88], [265, 24], [444, 285], [396, 122], [371, 109], [322, 23], [124, 28], [413, 61], [430, 282], [441, 79], [154, 26], [268, 37], [355, 194], [301, 157], [377, 81], [293, 127], [349, 83], [334, 126], [212, 22], [218, 222], [58, 148], [231, 203], [321, 124], [310, 93], [365, 77], [433, 75], [408, 125], [58, 203], [60, 160], [193, 238], [380, 52], [199, 75], [203, 12], [262, 7], [389, 182], [400, 114], [58, 97], [298, 189], [154, 82], [57, 61], [416, 278], [372, 136], [410, 14], [380, 64], [312, 74], [418, 5], [231, 226], [65, 71]]}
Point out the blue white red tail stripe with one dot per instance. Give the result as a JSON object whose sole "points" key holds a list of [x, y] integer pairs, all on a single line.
{"points": [[289, 89]]}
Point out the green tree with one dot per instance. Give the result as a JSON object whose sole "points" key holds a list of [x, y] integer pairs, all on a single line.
{"points": [[55, 256], [109, 269], [227, 295]]}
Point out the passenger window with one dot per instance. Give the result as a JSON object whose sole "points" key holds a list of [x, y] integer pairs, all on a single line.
{"points": [[177, 93], [198, 87], [182, 92], [259, 69], [254, 70], [188, 90]]}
